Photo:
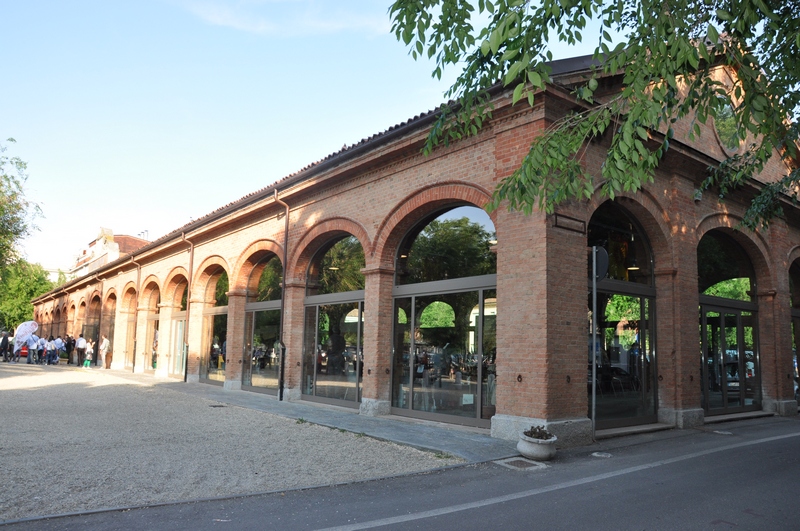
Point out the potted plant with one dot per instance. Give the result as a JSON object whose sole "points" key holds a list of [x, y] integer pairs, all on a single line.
{"points": [[537, 443]]}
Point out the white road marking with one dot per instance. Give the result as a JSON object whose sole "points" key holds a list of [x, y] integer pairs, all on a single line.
{"points": [[542, 490]]}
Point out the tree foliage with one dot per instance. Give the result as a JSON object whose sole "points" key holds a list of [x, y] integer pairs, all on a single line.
{"points": [[664, 53], [450, 248], [20, 282], [16, 211]]}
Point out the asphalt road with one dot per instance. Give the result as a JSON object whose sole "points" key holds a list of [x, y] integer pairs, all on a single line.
{"points": [[738, 475]]}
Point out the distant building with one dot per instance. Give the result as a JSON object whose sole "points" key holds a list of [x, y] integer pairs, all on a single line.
{"points": [[103, 250]]}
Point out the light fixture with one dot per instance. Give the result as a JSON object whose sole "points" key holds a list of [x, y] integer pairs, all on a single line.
{"points": [[492, 242], [403, 256], [333, 268], [633, 266]]}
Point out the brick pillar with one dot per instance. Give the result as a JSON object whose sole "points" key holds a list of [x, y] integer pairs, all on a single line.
{"points": [[293, 323], [234, 350], [195, 339], [677, 315], [775, 350], [121, 339], [141, 350], [541, 328], [378, 323]]}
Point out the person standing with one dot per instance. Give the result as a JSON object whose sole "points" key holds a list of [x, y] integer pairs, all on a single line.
{"points": [[59, 347], [16, 351], [69, 346], [102, 352], [4, 347], [80, 348], [89, 352], [50, 348], [33, 344], [41, 349]]}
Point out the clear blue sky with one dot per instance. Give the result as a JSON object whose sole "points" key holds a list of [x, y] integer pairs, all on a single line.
{"points": [[145, 115]]}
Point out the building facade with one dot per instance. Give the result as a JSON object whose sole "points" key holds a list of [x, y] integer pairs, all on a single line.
{"points": [[374, 280]]}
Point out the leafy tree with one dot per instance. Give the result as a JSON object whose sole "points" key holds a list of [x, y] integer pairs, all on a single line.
{"points": [[16, 212], [340, 268], [20, 282], [665, 58], [449, 248]]}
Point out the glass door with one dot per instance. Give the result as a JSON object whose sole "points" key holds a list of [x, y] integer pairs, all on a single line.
{"points": [[177, 356], [624, 354], [730, 372]]}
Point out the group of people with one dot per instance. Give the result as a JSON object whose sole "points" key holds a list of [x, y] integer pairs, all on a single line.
{"points": [[47, 351]]}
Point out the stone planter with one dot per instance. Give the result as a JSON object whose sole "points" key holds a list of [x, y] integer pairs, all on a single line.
{"points": [[537, 449]]}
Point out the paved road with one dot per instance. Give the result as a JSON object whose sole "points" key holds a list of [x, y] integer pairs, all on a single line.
{"points": [[738, 475]]}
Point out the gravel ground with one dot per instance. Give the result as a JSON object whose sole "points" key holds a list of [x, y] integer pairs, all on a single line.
{"points": [[74, 440]]}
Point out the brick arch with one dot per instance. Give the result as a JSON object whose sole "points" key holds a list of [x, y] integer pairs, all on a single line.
{"points": [[793, 254], [653, 218], [175, 278], [111, 291], [129, 297], [207, 275], [415, 206], [756, 248], [250, 258], [794, 289], [320, 234], [151, 286]]}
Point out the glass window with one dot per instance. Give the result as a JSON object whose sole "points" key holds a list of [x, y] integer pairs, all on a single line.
{"points": [[621, 368], [724, 269], [265, 280], [263, 367], [454, 244], [333, 343], [444, 333], [216, 333], [629, 255]]}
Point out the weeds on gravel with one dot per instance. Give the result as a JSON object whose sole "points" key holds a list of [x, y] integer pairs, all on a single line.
{"points": [[301, 420]]}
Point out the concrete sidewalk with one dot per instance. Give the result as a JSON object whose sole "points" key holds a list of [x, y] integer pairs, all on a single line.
{"points": [[472, 444]]}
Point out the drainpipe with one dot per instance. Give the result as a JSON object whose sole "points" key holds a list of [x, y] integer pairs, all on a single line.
{"points": [[136, 309], [185, 345], [283, 292]]}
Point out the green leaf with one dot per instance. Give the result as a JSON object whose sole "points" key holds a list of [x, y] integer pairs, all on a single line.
{"points": [[517, 93], [535, 79]]}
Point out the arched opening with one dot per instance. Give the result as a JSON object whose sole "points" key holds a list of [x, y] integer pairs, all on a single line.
{"points": [[261, 370], [445, 309], [728, 331], [215, 327], [621, 369], [152, 316], [334, 321], [91, 327], [129, 305], [107, 326], [794, 287], [177, 292]]}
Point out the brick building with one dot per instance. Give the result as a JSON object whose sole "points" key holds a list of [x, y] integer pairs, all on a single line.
{"points": [[373, 279]]}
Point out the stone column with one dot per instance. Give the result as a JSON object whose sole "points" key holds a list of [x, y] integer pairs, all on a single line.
{"points": [[378, 324]]}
